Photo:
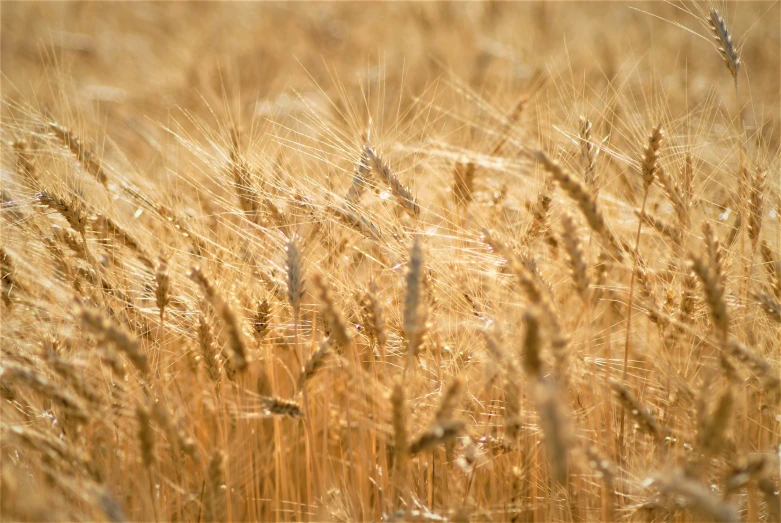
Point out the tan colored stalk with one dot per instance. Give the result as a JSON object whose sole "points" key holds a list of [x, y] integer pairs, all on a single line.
{"points": [[588, 156], [400, 438], [24, 162], [724, 44], [226, 313], [72, 210], [539, 224], [441, 433], [415, 310], [7, 275], [576, 257], [281, 407], [215, 497], [584, 200], [697, 496], [373, 314], [163, 288], [206, 348], [331, 314], [648, 168], [463, 182], [85, 156], [403, 194], [122, 340]]}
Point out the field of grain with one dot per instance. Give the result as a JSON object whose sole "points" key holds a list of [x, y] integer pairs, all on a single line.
{"points": [[390, 261]]}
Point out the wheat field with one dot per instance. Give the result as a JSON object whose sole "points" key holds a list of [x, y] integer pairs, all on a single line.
{"points": [[390, 261]]}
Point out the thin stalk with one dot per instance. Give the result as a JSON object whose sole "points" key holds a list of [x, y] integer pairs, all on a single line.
{"points": [[628, 340]]}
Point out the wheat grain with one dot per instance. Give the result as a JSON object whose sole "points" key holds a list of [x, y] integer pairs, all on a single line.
{"points": [[439, 434], [697, 496], [262, 319], [463, 182], [215, 498], [575, 256], [402, 194], [206, 348], [724, 40], [227, 315], [86, 157], [122, 340], [755, 206], [414, 308], [341, 336]]}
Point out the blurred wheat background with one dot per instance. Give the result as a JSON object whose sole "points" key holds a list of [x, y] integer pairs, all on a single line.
{"points": [[390, 261]]}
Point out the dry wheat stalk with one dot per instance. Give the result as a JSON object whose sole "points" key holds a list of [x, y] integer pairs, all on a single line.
{"points": [[72, 211], [341, 336], [146, 436], [585, 202], [373, 315], [588, 155], [724, 43], [415, 313], [645, 421], [575, 256], [359, 180], [755, 206], [532, 363], [215, 497], [512, 118], [713, 432], [441, 433], [74, 407], [177, 438], [356, 222], [261, 320], [243, 180], [227, 315], [111, 228], [539, 223], [163, 288], [295, 275], [539, 294], [315, 362], [24, 162], [714, 296], [86, 157], [398, 412], [555, 426], [771, 307], [402, 194], [463, 182], [510, 383], [67, 238], [450, 399], [7, 275], [772, 268], [649, 165], [663, 228], [606, 468], [122, 340], [281, 407], [206, 348], [696, 496]]}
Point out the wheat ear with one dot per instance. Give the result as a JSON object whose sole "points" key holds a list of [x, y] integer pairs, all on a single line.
{"points": [[724, 43]]}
